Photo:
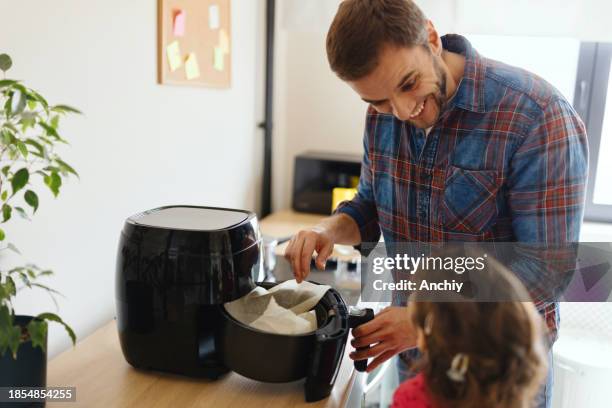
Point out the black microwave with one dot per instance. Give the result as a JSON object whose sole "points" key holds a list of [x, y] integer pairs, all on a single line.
{"points": [[316, 174]]}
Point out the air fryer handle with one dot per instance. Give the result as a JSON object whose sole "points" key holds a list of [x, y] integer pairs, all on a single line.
{"points": [[357, 317]]}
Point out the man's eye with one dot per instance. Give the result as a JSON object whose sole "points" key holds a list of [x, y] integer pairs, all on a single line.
{"points": [[408, 86]]}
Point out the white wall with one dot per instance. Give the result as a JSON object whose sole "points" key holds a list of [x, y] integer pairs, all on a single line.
{"points": [[139, 145]]}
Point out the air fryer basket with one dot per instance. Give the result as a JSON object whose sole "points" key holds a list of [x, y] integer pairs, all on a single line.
{"points": [[272, 357]]}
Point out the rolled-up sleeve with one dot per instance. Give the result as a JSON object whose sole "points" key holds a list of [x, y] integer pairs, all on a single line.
{"points": [[362, 208]]}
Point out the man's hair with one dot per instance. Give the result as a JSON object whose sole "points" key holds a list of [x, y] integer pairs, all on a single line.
{"points": [[362, 27]]}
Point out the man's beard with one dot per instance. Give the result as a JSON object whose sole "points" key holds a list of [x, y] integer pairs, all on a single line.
{"points": [[439, 95]]}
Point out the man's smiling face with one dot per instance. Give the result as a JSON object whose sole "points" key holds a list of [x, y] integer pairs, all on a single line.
{"points": [[409, 83]]}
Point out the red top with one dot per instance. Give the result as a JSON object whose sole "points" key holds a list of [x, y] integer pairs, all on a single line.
{"points": [[412, 394]]}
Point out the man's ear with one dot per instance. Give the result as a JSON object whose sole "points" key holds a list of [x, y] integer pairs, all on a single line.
{"points": [[433, 39]]}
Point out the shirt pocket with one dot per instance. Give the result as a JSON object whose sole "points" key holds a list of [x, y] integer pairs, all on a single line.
{"points": [[469, 200]]}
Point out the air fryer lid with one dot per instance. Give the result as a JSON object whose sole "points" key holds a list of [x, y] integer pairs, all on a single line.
{"points": [[192, 255], [191, 218]]}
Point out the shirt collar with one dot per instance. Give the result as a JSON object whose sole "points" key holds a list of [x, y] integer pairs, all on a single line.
{"points": [[470, 92]]}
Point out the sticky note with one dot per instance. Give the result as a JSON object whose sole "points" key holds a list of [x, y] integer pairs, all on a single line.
{"points": [[174, 56], [218, 59], [224, 41], [179, 23], [214, 20], [192, 69]]}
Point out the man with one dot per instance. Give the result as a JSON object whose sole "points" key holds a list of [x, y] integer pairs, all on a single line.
{"points": [[457, 147]]}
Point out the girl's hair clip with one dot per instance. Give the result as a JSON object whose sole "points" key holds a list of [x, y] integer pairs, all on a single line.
{"points": [[459, 367], [428, 324]]}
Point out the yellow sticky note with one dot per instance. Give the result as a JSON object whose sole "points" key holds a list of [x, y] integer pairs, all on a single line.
{"points": [[174, 56], [192, 69], [218, 62], [224, 41], [342, 194]]}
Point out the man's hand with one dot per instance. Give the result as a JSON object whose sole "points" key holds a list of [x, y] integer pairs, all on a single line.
{"points": [[301, 248], [390, 333]]}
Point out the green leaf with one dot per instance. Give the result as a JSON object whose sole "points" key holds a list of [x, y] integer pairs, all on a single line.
{"points": [[23, 276], [13, 248], [37, 329], [32, 104], [50, 130], [52, 169], [22, 148], [6, 319], [6, 323], [6, 212], [65, 166], [7, 136], [10, 286], [5, 170], [10, 335], [54, 182], [65, 108], [2, 235], [55, 121], [38, 97], [40, 149], [18, 102], [55, 318], [28, 119], [7, 107], [5, 62], [14, 338], [4, 195], [31, 198], [22, 213], [7, 82], [20, 179], [10, 126]]}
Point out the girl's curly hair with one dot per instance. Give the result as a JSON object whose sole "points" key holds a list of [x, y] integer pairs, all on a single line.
{"points": [[504, 342]]}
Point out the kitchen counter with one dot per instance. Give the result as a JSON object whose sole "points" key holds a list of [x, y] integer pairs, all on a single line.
{"points": [[103, 378]]}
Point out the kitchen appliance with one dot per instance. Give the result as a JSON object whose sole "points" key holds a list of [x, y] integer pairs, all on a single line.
{"points": [[177, 266], [315, 176]]}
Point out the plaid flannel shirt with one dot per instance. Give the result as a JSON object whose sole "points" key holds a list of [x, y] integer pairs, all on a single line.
{"points": [[506, 161]]}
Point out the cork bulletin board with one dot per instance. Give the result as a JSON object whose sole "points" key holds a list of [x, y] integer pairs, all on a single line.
{"points": [[194, 43]]}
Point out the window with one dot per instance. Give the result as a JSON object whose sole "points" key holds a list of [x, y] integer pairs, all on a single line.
{"points": [[554, 59], [581, 72], [593, 101]]}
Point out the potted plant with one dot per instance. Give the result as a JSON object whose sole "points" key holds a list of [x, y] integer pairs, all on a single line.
{"points": [[29, 135]]}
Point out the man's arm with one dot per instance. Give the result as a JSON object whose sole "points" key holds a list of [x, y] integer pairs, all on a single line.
{"points": [[546, 192], [354, 221], [547, 180]]}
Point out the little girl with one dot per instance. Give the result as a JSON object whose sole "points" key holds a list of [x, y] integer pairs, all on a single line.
{"points": [[476, 355]]}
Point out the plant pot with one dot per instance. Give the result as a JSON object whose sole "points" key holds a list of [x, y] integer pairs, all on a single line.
{"points": [[28, 370]]}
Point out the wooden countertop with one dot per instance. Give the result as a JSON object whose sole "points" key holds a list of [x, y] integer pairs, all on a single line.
{"points": [[103, 378]]}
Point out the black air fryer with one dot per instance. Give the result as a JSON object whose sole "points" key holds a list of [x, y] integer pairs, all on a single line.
{"points": [[177, 266]]}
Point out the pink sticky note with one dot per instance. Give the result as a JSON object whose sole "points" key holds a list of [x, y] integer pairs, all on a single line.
{"points": [[179, 23]]}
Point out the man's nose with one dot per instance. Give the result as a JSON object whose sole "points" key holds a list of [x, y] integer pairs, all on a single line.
{"points": [[402, 109]]}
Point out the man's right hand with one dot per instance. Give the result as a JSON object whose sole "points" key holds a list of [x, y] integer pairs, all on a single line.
{"points": [[301, 247]]}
